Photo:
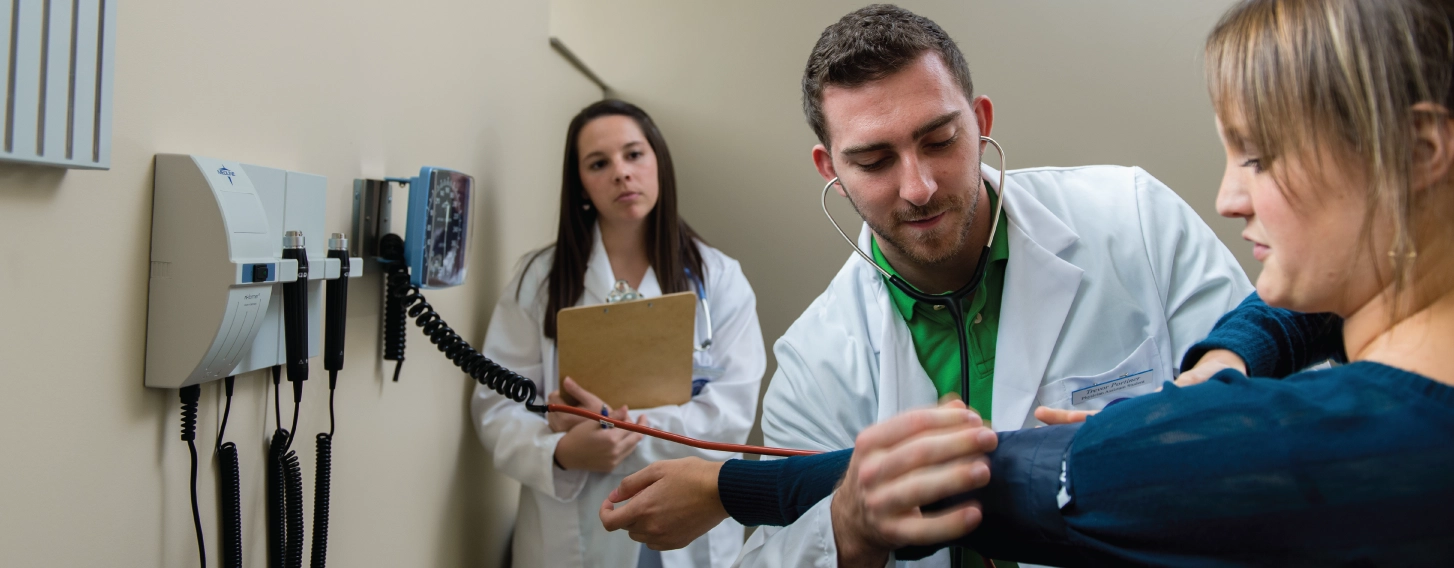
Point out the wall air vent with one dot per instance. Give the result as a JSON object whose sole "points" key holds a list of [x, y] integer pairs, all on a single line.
{"points": [[56, 68]]}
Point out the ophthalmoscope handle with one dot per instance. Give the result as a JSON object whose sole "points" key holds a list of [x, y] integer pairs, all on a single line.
{"points": [[295, 312], [335, 313]]}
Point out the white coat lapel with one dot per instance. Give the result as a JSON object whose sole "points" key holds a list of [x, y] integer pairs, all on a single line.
{"points": [[908, 385], [1039, 290], [903, 383], [599, 277]]}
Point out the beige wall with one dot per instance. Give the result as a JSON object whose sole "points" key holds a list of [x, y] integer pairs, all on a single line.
{"points": [[94, 473], [1113, 81]]}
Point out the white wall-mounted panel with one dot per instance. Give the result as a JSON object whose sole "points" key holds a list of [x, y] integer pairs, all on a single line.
{"points": [[58, 60]]}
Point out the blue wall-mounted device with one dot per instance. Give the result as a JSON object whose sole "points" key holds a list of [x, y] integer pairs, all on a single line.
{"points": [[437, 233]]}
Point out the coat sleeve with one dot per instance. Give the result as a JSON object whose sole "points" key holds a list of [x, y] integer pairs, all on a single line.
{"points": [[1197, 277], [813, 403], [520, 441], [808, 542], [726, 407]]}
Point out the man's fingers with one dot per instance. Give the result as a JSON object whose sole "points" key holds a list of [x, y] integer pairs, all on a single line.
{"points": [[615, 518], [927, 449], [650, 542], [927, 485], [635, 482], [1056, 416], [929, 529], [893, 430]]}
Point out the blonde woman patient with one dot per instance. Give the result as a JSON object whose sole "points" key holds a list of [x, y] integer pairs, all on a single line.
{"points": [[618, 221]]}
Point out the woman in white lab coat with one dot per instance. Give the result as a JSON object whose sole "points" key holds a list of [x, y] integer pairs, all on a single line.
{"points": [[618, 221]]}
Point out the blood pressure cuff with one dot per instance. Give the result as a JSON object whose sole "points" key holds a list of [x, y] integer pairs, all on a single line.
{"points": [[1026, 465], [1022, 517]]}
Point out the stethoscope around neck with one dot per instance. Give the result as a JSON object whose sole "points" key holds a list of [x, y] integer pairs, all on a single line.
{"points": [[953, 301], [622, 291]]}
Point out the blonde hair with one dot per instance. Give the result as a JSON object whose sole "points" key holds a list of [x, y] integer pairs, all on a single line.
{"points": [[1303, 73]]}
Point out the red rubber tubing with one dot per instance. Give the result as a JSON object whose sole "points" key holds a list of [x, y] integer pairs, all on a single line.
{"points": [[678, 438]]}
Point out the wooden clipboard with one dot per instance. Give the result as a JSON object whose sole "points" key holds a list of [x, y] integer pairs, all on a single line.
{"points": [[636, 353]]}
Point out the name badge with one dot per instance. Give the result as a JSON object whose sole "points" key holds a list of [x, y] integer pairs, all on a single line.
{"points": [[1122, 382]]}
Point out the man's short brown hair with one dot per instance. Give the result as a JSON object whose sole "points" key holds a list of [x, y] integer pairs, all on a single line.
{"points": [[869, 44]]}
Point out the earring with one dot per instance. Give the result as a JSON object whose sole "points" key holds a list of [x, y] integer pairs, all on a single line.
{"points": [[586, 207]]}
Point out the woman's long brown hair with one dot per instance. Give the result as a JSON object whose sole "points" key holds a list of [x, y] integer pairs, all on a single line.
{"points": [[671, 244]]}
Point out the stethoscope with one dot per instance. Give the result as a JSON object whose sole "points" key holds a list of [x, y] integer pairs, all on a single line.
{"points": [[954, 301], [706, 311]]}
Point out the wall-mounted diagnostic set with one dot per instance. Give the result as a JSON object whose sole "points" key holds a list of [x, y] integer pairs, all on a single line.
{"points": [[238, 270], [239, 258]]}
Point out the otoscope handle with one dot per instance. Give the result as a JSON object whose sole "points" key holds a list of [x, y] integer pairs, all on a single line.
{"points": [[335, 313], [295, 310]]}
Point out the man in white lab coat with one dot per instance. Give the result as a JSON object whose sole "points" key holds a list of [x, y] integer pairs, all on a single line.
{"points": [[1105, 276], [1097, 276]]}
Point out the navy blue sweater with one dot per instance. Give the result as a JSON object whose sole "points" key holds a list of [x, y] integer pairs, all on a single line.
{"points": [[1350, 465]]}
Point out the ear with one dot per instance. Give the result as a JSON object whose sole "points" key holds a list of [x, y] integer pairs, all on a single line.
{"points": [[1433, 152], [823, 160], [984, 116]]}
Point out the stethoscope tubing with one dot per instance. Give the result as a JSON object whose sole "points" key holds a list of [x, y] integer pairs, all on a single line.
{"points": [[706, 311]]}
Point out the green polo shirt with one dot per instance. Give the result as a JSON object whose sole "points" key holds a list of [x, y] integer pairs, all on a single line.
{"points": [[935, 341], [937, 344]]}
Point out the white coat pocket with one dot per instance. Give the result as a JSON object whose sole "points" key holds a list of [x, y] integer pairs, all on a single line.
{"points": [[1138, 374]]}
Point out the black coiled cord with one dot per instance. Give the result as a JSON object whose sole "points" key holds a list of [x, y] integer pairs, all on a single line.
{"points": [[404, 297], [231, 499], [320, 499], [293, 484], [391, 249], [277, 500], [230, 495], [189, 396], [285, 504]]}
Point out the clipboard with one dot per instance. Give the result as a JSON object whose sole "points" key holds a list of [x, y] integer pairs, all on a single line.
{"points": [[637, 353]]}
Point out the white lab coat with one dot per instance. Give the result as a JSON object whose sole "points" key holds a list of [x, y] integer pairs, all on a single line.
{"points": [[558, 524], [1110, 274]]}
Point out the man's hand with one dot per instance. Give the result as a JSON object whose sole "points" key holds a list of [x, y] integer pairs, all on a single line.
{"points": [[571, 394], [587, 446], [1211, 363], [900, 465], [671, 503]]}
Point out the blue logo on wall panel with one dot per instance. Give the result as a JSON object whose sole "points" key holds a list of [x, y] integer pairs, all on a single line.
{"points": [[226, 172]]}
